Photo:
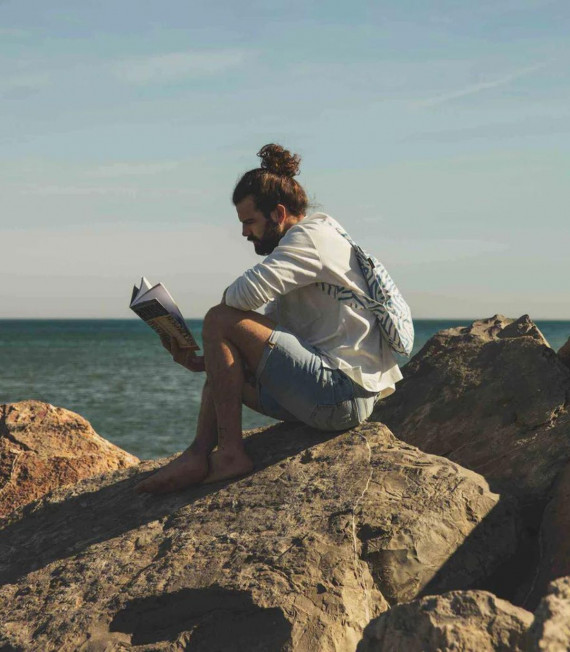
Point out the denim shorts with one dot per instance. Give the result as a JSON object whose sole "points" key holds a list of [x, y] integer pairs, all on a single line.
{"points": [[294, 383]]}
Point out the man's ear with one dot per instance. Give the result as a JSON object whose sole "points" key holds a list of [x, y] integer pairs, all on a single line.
{"points": [[279, 214]]}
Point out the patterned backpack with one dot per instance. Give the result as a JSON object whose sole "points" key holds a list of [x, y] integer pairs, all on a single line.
{"points": [[385, 301]]}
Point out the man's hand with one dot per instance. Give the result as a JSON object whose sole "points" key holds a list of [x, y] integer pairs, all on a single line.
{"points": [[184, 357]]}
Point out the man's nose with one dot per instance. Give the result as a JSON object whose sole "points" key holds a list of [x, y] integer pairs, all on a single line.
{"points": [[245, 231]]}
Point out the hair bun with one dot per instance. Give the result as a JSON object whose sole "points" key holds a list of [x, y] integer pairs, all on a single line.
{"points": [[279, 160]]}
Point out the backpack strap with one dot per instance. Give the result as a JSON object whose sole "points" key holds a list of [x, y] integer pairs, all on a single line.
{"points": [[384, 300]]}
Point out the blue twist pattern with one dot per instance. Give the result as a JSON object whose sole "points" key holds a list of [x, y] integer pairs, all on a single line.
{"points": [[385, 301]]}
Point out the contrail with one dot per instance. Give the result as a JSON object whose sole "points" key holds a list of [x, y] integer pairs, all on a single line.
{"points": [[478, 88]]}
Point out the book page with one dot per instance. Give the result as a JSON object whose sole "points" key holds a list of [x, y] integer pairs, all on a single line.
{"points": [[155, 306]]}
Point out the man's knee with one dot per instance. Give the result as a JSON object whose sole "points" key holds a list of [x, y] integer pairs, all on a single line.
{"points": [[218, 320]]}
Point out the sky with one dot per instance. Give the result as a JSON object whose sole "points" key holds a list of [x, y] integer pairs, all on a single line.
{"points": [[437, 132]]}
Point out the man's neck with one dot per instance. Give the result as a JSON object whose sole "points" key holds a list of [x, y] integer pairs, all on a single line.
{"points": [[290, 221]]}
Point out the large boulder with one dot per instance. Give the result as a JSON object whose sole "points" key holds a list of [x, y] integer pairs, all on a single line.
{"points": [[43, 447], [493, 397], [327, 532], [564, 353], [554, 539], [473, 621], [550, 631]]}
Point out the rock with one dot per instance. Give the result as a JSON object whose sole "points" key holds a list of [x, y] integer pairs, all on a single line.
{"points": [[494, 398], [564, 353], [551, 627], [554, 558], [473, 621], [300, 555], [43, 447]]}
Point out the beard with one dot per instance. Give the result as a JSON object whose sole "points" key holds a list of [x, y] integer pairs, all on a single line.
{"points": [[268, 241]]}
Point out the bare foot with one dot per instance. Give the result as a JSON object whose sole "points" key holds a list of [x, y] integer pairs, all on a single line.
{"points": [[187, 469], [226, 463]]}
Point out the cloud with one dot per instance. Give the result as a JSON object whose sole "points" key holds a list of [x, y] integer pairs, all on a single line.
{"points": [[12, 31], [478, 88], [55, 190], [414, 252], [546, 125], [175, 66], [134, 191], [89, 272], [31, 81], [123, 169], [371, 219]]}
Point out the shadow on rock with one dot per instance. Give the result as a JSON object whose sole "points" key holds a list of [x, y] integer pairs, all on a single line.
{"points": [[219, 619], [489, 534], [62, 524]]}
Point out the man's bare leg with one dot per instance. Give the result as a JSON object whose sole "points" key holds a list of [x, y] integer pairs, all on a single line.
{"points": [[232, 338], [249, 333], [225, 368], [191, 467]]}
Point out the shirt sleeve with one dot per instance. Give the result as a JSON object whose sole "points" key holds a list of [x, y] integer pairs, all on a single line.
{"points": [[271, 310], [294, 263]]}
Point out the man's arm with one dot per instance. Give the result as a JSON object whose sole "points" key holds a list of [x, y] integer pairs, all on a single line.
{"points": [[294, 263]]}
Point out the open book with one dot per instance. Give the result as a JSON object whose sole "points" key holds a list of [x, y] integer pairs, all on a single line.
{"points": [[155, 306]]}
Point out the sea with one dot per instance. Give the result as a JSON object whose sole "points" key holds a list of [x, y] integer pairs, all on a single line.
{"points": [[116, 374]]}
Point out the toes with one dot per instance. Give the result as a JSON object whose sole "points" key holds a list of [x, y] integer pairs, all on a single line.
{"points": [[141, 487], [171, 478], [146, 486]]}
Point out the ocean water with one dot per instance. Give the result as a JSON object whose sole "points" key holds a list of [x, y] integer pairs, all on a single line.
{"points": [[116, 374]]}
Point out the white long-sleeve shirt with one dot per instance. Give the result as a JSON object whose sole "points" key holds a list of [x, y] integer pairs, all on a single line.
{"points": [[313, 251]]}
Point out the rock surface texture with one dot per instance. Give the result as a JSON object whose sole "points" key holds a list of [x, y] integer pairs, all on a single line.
{"points": [[550, 631], [43, 447], [554, 539], [470, 621], [327, 533], [336, 541], [493, 397], [564, 353]]}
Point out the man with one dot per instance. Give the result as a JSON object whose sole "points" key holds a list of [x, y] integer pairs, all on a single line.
{"points": [[314, 359]]}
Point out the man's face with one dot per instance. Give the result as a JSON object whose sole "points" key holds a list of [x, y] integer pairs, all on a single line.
{"points": [[265, 234]]}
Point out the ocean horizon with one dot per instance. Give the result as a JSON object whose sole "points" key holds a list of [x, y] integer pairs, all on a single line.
{"points": [[115, 373]]}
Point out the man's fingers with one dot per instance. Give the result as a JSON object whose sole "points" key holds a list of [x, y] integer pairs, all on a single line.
{"points": [[182, 356], [196, 363], [178, 354]]}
